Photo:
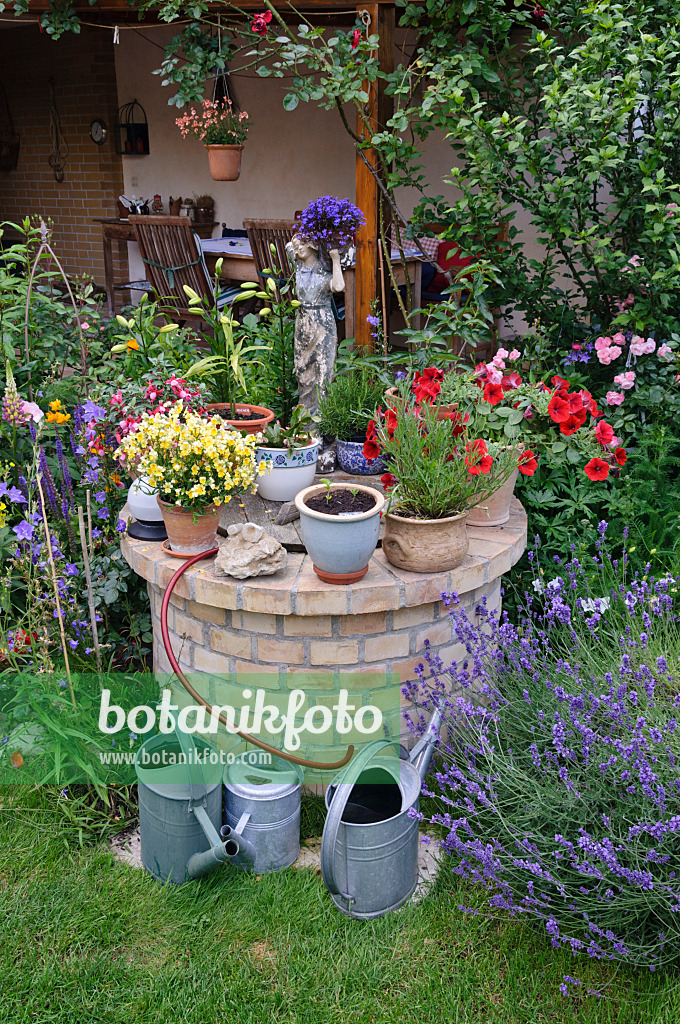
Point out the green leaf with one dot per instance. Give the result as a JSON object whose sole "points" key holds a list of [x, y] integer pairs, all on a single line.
{"points": [[290, 101]]}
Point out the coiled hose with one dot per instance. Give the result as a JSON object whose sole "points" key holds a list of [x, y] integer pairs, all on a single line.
{"points": [[321, 765]]}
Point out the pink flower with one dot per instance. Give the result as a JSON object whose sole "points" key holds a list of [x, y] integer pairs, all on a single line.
{"points": [[602, 343], [635, 262], [84, 326], [33, 411], [116, 399], [576, 347], [605, 355], [671, 207], [637, 345], [625, 380], [615, 397], [619, 338], [515, 355], [356, 38], [528, 413], [494, 375], [665, 351], [648, 346]]}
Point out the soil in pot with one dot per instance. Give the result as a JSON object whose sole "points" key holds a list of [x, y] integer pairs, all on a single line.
{"points": [[242, 415], [341, 503]]}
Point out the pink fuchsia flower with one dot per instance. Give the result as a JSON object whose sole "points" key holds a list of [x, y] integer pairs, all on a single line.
{"points": [[665, 351], [625, 380], [615, 397], [116, 399], [602, 343], [33, 411], [515, 355], [619, 338], [153, 391]]}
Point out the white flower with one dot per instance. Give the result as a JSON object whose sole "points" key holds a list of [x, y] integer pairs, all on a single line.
{"points": [[597, 604]]}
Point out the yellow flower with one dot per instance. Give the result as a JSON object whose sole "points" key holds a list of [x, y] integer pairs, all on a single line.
{"points": [[58, 417], [56, 405]]}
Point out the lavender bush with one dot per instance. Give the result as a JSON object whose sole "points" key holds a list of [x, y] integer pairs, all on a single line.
{"points": [[559, 788]]}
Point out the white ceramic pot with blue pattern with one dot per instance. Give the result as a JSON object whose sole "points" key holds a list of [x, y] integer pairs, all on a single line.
{"points": [[351, 459], [293, 469]]}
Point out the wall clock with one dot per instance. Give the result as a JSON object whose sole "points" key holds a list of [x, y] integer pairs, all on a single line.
{"points": [[98, 131]]}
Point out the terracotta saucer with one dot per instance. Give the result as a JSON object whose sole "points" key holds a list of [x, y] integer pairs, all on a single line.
{"points": [[340, 578], [165, 546]]}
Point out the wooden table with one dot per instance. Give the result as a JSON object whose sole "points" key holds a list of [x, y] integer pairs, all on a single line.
{"points": [[117, 229], [239, 265]]}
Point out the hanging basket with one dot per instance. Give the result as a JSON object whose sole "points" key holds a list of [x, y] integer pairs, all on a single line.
{"points": [[9, 139], [225, 162], [132, 130]]}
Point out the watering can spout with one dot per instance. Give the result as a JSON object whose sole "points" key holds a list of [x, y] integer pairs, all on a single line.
{"points": [[245, 851], [226, 846], [421, 755]]}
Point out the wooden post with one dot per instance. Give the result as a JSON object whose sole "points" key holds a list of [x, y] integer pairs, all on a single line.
{"points": [[368, 198]]}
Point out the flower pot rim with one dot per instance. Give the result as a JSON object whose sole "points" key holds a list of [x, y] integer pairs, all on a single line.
{"points": [[223, 145], [354, 517], [185, 509], [427, 522], [284, 447]]}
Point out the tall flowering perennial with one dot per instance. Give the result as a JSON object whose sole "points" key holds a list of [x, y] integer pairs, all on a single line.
{"points": [[215, 124], [193, 461], [330, 223], [559, 785]]}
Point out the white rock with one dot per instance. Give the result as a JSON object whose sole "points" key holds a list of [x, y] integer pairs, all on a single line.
{"points": [[249, 551]]}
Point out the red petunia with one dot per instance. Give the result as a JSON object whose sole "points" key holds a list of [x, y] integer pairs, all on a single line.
{"points": [[558, 408], [493, 393], [390, 422], [356, 38], [589, 403], [260, 23], [511, 381], [597, 469], [371, 449], [604, 433], [478, 459], [426, 386], [458, 422], [560, 383], [620, 456], [573, 422], [527, 463], [388, 480]]}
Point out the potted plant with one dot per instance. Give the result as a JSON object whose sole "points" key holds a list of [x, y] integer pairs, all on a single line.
{"points": [[197, 463], [330, 223], [222, 130], [344, 414], [292, 451], [340, 525], [438, 472], [230, 355]]}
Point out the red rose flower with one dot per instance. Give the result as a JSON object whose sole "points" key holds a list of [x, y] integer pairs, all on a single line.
{"points": [[620, 456], [260, 23], [371, 449], [597, 469], [356, 38], [388, 480], [527, 463], [604, 433], [493, 393]]}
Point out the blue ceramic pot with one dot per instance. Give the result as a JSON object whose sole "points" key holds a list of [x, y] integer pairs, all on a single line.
{"points": [[339, 545], [351, 459]]}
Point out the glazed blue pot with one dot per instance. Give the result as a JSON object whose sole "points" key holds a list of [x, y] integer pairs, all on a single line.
{"points": [[351, 459], [339, 546]]}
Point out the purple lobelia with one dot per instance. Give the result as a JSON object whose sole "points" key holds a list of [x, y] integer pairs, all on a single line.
{"points": [[559, 784], [330, 222]]}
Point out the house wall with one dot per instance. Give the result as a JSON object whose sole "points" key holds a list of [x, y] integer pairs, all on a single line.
{"points": [[84, 74]]}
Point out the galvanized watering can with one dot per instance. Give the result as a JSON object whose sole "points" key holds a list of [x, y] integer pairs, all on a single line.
{"points": [[180, 810], [267, 799], [369, 849]]}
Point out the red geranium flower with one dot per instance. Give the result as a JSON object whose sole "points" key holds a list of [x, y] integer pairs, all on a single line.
{"points": [[493, 393], [260, 23], [388, 480], [620, 456], [604, 433], [597, 469], [527, 463], [356, 38], [371, 449]]}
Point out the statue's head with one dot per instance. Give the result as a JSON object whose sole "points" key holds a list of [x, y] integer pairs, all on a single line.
{"points": [[303, 248]]}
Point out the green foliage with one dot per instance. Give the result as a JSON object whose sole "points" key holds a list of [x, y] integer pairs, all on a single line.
{"points": [[348, 403], [297, 434]]}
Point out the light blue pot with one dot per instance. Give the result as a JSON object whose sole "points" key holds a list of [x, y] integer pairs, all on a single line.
{"points": [[352, 460], [339, 545]]}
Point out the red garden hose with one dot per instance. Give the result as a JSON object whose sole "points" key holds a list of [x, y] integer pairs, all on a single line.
{"points": [[322, 765]]}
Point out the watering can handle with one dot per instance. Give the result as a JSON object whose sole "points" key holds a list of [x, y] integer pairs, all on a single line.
{"points": [[337, 808], [197, 793]]}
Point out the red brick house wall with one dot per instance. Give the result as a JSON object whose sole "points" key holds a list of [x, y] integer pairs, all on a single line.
{"points": [[83, 70]]}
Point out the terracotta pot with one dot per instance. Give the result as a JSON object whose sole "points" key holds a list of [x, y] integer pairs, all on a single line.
{"points": [[425, 545], [394, 401], [225, 162], [496, 509], [247, 426], [189, 534]]}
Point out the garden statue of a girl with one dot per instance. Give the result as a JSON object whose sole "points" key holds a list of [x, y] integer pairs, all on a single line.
{"points": [[316, 333]]}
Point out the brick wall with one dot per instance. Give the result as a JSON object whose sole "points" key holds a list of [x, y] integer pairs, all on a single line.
{"points": [[83, 69]]}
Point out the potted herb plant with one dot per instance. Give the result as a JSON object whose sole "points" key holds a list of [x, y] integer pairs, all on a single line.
{"points": [[344, 414], [340, 525], [292, 451], [197, 463], [222, 130], [225, 367], [438, 473]]}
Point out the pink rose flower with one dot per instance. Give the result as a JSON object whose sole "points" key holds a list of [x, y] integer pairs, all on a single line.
{"points": [[625, 380], [637, 345], [648, 346], [514, 355], [605, 356], [84, 326], [615, 351], [602, 343], [615, 397], [665, 351], [619, 338]]}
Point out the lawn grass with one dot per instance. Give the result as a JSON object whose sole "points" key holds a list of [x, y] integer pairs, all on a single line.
{"points": [[86, 939]]}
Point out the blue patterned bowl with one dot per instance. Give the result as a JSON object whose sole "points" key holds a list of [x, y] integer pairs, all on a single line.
{"points": [[351, 459]]}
